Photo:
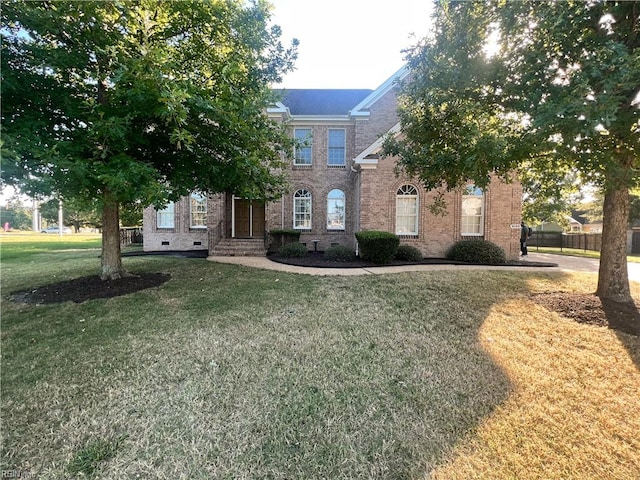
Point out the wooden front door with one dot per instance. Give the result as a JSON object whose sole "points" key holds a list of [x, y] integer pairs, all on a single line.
{"points": [[249, 218]]}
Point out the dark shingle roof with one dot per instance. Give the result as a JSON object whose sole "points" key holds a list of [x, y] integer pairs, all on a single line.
{"points": [[322, 101]]}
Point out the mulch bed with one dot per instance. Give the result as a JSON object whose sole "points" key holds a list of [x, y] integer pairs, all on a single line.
{"points": [[588, 308], [316, 259], [82, 289]]}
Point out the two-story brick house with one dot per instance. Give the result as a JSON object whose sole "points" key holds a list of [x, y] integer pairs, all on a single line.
{"points": [[339, 186]]}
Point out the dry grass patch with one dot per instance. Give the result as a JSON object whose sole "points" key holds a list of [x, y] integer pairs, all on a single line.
{"points": [[571, 415]]}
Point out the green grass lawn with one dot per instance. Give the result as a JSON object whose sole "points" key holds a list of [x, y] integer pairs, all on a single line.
{"points": [[226, 372]]}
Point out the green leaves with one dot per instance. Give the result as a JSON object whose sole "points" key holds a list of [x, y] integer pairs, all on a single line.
{"points": [[122, 96]]}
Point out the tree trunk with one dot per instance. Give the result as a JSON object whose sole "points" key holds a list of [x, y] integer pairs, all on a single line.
{"points": [[613, 277], [111, 260]]}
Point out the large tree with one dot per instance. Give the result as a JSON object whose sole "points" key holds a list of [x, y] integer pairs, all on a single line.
{"points": [[549, 87], [141, 101]]}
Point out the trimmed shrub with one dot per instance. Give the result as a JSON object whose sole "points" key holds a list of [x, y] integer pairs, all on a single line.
{"points": [[291, 250], [339, 253], [282, 237], [407, 253], [377, 246], [477, 251]]}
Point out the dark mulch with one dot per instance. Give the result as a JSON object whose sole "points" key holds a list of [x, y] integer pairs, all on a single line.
{"points": [[316, 259], [90, 288], [590, 309]]}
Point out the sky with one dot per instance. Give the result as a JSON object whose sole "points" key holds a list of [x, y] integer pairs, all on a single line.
{"points": [[349, 43]]}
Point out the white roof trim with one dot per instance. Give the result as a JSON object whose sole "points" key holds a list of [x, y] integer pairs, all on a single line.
{"points": [[360, 109], [375, 147], [279, 108]]}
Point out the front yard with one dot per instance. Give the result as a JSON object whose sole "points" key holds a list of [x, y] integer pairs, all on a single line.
{"points": [[225, 372]]}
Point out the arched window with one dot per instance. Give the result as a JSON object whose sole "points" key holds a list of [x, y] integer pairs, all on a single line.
{"points": [[302, 210], [198, 209], [165, 218], [407, 210], [472, 212], [335, 210]]}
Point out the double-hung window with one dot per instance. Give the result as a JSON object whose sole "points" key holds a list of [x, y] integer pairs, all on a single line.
{"points": [[335, 210], [302, 149], [166, 218], [407, 210], [302, 210], [198, 208], [472, 212], [337, 141]]}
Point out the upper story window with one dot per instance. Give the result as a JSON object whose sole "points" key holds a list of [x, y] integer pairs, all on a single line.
{"points": [[198, 209], [166, 217], [302, 149], [337, 150], [472, 211], [302, 210], [335, 210], [407, 210]]}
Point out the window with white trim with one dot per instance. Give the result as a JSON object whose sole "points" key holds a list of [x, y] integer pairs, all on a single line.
{"points": [[407, 210], [198, 209], [472, 212], [166, 217], [335, 210], [302, 149], [337, 141], [302, 210]]}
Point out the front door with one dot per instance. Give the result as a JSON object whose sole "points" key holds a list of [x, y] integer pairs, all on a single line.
{"points": [[248, 218]]}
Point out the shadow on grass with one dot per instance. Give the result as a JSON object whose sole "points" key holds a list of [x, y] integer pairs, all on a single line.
{"points": [[624, 318]]}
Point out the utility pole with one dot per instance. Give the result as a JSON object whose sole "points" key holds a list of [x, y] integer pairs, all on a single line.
{"points": [[60, 217], [36, 223]]}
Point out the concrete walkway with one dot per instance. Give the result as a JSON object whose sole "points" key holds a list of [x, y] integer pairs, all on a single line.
{"points": [[565, 263], [265, 263]]}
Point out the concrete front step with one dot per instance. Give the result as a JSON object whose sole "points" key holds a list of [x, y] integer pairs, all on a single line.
{"points": [[240, 248]]}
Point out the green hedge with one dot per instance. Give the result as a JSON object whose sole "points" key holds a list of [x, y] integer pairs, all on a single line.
{"points": [[407, 253], [293, 250], [339, 253], [282, 237], [377, 246], [477, 251]]}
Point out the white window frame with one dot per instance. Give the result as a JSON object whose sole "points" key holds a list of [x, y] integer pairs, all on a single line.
{"points": [[342, 147], [404, 194], [197, 208], [472, 194], [333, 198], [308, 139], [302, 218], [166, 217]]}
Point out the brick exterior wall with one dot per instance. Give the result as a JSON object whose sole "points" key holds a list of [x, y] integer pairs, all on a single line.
{"points": [[437, 233], [319, 179], [181, 237], [370, 197]]}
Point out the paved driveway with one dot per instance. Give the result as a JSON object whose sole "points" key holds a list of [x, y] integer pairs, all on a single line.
{"points": [[580, 264]]}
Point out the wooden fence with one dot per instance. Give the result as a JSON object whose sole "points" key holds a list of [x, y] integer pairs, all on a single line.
{"points": [[130, 236], [580, 241]]}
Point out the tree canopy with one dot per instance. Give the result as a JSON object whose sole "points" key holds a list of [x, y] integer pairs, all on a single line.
{"points": [[546, 88], [139, 102]]}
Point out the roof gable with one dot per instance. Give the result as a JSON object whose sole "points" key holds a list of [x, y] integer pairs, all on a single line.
{"points": [[322, 101], [362, 109]]}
